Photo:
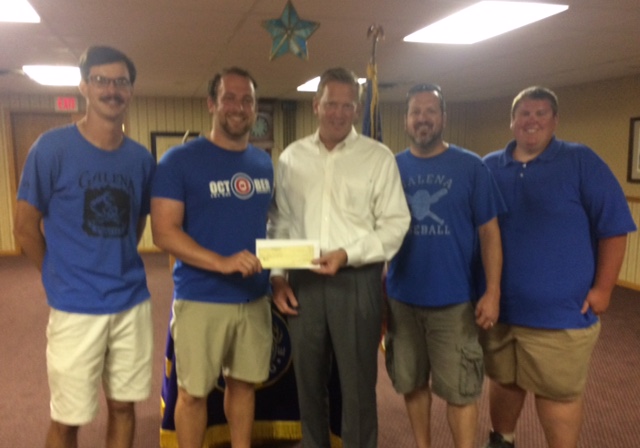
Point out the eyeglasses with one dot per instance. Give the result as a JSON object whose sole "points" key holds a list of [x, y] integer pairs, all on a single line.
{"points": [[103, 82]]}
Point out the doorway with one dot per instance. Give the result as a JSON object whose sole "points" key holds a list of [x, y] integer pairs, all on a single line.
{"points": [[26, 127]]}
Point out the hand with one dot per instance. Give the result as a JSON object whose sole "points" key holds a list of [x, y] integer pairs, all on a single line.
{"points": [[243, 262], [283, 296], [487, 310], [331, 262], [597, 300]]}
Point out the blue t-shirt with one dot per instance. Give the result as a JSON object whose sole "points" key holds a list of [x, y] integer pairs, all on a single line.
{"points": [[226, 196], [450, 196], [91, 201], [559, 205]]}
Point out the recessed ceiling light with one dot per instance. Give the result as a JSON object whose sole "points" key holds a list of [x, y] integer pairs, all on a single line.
{"points": [[312, 84], [53, 75], [18, 11], [484, 20]]}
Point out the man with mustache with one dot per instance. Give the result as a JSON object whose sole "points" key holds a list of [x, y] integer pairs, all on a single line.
{"points": [[210, 201], [82, 205], [431, 282], [342, 189]]}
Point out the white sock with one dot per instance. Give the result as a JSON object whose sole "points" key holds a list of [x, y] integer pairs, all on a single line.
{"points": [[511, 437]]}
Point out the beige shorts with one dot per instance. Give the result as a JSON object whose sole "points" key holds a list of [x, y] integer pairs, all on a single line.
{"points": [[83, 349], [214, 338], [550, 363]]}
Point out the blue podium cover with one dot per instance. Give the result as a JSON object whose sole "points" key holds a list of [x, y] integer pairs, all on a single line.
{"points": [[277, 417]]}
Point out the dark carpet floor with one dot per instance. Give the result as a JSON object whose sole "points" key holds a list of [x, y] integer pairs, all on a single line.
{"points": [[612, 414]]}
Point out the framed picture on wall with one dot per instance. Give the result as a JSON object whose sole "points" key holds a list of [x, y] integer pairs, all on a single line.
{"points": [[634, 151], [162, 141], [262, 132]]}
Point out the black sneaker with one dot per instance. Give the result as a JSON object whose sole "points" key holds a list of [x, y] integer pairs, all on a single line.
{"points": [[497, 441]]}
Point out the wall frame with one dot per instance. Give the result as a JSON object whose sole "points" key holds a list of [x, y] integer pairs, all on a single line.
{"points": [[162, 141], [261, 134], [633, 174]]}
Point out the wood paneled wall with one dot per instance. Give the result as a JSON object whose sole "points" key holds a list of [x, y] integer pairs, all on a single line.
{"points": [[147, 115], [630, 272], [477, 126], [7, 185]]}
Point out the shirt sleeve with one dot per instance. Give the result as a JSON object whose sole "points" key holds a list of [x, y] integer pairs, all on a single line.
{"points": [[391, 219], [487, 200], [279, 212], [167, 181], [38, 175], [603, 198]]}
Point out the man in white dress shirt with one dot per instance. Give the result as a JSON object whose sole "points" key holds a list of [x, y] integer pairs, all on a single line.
{"points": [[344, 190]]}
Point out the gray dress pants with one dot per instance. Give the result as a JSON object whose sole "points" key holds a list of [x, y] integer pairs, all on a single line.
{"points": [[339, 320]]}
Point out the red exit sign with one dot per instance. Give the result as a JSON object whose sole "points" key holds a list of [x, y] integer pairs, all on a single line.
{"points": [[66, 104]]}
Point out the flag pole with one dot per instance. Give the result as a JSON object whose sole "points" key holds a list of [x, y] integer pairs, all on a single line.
{"points": [[371, 125], [377, 32]]}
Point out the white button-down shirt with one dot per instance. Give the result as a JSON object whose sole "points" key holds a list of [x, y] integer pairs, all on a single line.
{"points": [[350, 197]]}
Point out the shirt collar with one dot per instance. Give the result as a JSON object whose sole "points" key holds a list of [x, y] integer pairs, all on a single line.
{"points": [[351, 137], [550, 152]]}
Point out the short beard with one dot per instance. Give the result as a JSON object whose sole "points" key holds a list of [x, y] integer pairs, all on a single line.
{"points": [[426, 145], [236, 134]]}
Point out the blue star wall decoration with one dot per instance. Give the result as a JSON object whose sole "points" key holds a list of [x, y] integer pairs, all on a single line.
{"points": [[289, 33]]}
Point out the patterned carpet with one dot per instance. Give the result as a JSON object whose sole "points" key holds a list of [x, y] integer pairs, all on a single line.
{"points": [[612, 413]]}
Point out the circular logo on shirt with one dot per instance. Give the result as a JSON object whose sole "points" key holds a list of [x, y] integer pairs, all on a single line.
{"points": [[242, 186]]}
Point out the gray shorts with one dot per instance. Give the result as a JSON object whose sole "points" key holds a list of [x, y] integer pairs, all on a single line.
{"points": [[438, 342]]}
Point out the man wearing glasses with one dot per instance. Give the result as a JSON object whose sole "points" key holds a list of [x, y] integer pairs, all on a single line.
{"points": [[89, 186], [433, 326]]}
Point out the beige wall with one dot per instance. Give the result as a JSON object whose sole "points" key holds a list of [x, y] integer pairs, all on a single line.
{"points": [[148, 115], [7, 191], [596, 114], [630, 272]]}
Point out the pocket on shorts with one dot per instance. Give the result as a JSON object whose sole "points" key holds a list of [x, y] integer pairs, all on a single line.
{"points": [[388, 355], [471, 370], [396, 368]]}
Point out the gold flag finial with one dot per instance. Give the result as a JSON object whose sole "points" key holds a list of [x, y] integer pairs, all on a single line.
{"points": [[377, 32]]}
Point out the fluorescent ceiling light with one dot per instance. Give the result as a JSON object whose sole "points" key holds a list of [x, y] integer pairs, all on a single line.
{"points": [[309, 86], [18, 11], [312, 84], [53, 75], [484, 20]]}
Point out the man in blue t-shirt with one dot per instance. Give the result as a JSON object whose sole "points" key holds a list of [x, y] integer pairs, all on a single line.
{"points": [[433, 326], [210, 200], [564, 239], [88, 184]]}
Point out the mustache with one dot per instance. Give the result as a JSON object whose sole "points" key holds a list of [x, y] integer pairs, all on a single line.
{"points": [[114, 97], [423, 126]]}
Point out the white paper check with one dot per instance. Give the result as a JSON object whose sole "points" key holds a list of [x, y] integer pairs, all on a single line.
{"points": [[287, 254]]}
